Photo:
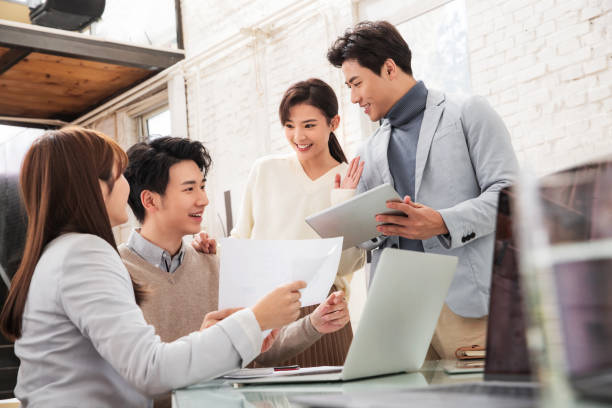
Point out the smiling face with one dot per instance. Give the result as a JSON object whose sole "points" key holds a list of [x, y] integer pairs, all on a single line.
{"points": [[374, 93], [307, 131], [181, 207]]}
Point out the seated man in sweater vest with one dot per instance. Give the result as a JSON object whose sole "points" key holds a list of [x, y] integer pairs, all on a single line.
{"points": [[167, 196]]}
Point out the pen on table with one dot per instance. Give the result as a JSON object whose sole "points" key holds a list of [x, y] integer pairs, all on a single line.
{"points": [[285, 368]]}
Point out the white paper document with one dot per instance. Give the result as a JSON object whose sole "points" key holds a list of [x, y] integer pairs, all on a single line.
{"points": [[250, 269]]}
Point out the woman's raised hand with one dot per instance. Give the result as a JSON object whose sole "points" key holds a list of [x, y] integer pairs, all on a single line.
{"points": [[279, 307], [204, 244], [352, 177]]}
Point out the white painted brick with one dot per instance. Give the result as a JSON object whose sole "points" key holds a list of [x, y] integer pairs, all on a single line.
{"points": [[512, 120], [497, 86], [590, 12], [579, 84], [527, 61], [533, 72], [603, 49], [515, 5], [506, 71], [515, 52], [525, 36], [482, 53], [523, 14], [532, 113], [477, 7], [595, 65], [507, 108], [476, 43], [513, 30], [600, 93], [553, 13], [572, 72], [541, 96], [569, 115], [577, 128], [545, 29], [568, 18], [504, 45], [601, 122], [568, 143], [494, 61], [568, 32], [567, 6], [493, 38], [543, 6], [509, 95], [502, 22], [485, 76], [568, 46]]}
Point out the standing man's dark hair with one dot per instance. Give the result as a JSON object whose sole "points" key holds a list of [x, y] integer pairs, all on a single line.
{"points": [[149, 166], [371, 43]]}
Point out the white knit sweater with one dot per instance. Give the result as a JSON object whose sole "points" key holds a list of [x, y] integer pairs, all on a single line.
{"points": [[279, 196]]}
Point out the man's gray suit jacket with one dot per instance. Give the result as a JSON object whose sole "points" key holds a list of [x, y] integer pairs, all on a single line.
{"points": [[464, 158]]}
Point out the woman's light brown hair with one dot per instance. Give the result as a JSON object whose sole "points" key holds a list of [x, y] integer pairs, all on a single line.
{"points": [[60, 189]]}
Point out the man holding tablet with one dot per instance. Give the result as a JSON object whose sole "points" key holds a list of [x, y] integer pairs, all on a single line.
{"points": [[448, 157]]}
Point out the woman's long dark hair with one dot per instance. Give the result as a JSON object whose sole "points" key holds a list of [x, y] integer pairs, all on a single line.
{"points": [[61, 192], [316, 93]]}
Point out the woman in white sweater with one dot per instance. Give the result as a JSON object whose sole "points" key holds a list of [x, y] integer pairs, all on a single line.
{"points": [[283, 190], [72, 306]]}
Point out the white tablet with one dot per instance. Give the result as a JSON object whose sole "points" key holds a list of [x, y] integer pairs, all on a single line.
{"points": [[354, 219]]}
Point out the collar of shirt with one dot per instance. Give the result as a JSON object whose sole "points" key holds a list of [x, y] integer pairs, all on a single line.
{"points": [[153, 254], [409, 106]]}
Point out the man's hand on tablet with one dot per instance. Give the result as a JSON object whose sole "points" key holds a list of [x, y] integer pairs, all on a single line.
{"points": [[419, 221]]}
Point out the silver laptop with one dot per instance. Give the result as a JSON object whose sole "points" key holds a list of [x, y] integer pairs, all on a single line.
{"points": [[397, 323]]}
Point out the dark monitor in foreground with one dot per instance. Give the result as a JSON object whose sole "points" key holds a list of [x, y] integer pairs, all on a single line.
{"points": [[578, 215], [577, 211]]}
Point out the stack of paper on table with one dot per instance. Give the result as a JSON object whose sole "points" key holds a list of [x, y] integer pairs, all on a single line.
{"points": [[270, 372]]}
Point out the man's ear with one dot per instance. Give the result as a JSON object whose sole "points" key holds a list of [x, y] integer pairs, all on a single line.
{"points": [[150, 200], [389, 69]]}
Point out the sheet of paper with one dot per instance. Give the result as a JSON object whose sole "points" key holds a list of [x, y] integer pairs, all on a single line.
{"points": [[250, 269]]}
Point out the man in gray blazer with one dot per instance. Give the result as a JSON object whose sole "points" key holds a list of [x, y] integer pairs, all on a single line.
{"points": [[449, 157]]}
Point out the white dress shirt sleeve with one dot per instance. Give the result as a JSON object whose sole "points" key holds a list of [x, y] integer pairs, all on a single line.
{"points": [[97, 295]]}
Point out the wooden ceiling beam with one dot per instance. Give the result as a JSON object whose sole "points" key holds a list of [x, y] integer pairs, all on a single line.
{"points": [[58, 42]]}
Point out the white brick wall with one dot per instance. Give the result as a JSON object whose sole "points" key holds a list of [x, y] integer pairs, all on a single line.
{"points": [[553, 85]]}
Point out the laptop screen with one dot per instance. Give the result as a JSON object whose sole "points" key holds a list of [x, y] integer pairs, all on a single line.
{"points": [[507, 355]]}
